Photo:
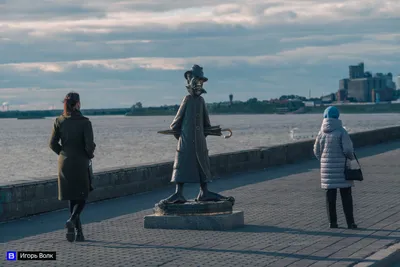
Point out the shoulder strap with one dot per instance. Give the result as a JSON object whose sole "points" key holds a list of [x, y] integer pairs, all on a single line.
{"points": [[355, 156]]}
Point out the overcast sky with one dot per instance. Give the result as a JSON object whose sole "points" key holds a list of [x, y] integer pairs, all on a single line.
{"points": [[115, 53]]}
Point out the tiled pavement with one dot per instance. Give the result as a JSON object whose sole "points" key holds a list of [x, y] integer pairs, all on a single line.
{"points": [[285, 217]]}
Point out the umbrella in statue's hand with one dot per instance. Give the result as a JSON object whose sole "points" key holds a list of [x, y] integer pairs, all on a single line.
{"points": [[213, 130], [217, 131]]}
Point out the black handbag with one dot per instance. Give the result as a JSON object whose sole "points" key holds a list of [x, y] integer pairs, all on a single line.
{"points": [[353, 174]]}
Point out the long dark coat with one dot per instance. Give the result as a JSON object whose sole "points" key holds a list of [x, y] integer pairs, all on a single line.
{"points": [[77, 147], [192, 164]]}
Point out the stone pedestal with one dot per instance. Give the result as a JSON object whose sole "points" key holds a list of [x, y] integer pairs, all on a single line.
{"points": [[194, 215]]}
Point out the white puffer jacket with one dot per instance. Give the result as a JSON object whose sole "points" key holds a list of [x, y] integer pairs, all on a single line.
{"points": [[332, 146]]}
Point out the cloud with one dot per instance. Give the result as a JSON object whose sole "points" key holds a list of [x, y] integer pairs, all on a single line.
{"points": [[291, 55], [46, 67], [121, 15], [110, 64], [116, 52]]}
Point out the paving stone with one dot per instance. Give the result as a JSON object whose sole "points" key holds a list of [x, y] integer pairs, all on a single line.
{"points": [[302, 263], [322, 263]]}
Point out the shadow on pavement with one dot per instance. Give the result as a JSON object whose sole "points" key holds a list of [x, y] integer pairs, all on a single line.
{"points": [[274, 229], [103, 210], [130, 246]]}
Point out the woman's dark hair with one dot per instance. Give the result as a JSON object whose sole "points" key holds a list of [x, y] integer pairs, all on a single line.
{"points": [[70, 101]]}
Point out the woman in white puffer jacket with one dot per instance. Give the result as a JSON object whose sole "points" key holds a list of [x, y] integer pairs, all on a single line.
{"points": [[332, 147]]}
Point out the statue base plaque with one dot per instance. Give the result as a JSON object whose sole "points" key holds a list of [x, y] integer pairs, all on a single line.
{"points": [[194, 215]]}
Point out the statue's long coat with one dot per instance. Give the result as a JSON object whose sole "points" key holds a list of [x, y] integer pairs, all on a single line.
{"points": [[192, 164]]}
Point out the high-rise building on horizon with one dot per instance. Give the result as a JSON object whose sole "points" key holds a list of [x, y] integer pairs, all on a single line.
{"points": [[363, 86], [356, 71]]}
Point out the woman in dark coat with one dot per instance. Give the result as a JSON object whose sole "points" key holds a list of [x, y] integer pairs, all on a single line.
{"points": [[75, 152]]}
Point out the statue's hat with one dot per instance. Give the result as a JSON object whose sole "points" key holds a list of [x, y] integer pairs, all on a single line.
{"points": [[197, 72]]}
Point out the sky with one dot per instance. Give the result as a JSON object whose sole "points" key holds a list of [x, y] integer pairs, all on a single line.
{"points": [[116, 53]]}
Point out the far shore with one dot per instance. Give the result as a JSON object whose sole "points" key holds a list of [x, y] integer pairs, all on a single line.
{"points": [[259, 108]]}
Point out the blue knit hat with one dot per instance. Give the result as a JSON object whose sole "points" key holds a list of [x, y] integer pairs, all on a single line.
{"points": [[331, 112]]}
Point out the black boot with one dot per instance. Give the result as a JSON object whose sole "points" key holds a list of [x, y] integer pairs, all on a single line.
{"points": [[331, 207], [70, 235], [352, 226], [71, 224], [79, 237], [347, 201]]}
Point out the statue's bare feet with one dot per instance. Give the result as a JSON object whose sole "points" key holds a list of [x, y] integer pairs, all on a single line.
{"points": [[175, 198], [211, 196]]}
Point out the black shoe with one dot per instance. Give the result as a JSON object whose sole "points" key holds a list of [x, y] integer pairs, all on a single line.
{"points": [[70, 225], [70, 233], [79, 237], [333, 225], [352, 226]]}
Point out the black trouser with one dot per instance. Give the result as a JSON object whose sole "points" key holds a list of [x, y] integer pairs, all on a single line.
{"points": [[76, 207], [347, 201]]}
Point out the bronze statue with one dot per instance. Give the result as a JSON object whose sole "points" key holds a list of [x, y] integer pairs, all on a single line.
{"points": [[190, 127]]}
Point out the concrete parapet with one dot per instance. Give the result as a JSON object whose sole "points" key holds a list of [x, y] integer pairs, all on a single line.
{"points": [[34, 197]]}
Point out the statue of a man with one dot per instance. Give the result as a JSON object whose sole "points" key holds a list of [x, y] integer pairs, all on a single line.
{"points": [[192, 164]]}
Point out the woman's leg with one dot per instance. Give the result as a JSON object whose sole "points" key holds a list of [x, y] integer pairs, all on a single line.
{"points": [[331, 207], [78, 226], [70, 228], [71, 206], [347, 201], [76, 211], [76, 207]]}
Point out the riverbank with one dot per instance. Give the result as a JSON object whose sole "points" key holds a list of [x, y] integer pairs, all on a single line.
{"points": [[215, 109], [33, 114]]}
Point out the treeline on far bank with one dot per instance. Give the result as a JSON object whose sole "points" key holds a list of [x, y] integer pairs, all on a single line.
{"points": [[255, 107], [32, 114], [252, 106], [269, 108]]}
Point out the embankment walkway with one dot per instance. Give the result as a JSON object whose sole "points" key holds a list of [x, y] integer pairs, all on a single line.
{"points": [[285, 217]]}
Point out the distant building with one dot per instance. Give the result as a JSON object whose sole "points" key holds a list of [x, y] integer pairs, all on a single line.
{"points": [[309, 103], [328, 98], [318, 103], [398, 82], [357, 71], [362, 86]]}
